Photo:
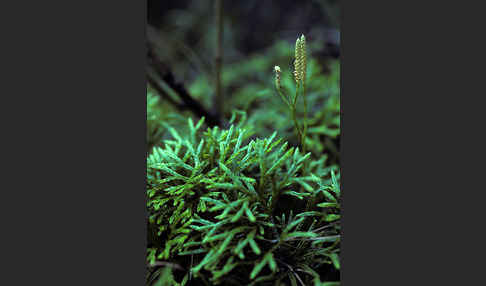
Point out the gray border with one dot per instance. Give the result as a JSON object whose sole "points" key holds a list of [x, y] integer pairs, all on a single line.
{"points": [[78, 212]]}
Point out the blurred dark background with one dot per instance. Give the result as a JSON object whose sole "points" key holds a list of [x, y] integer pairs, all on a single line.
{"points": [[250, 25], [188, 30]]}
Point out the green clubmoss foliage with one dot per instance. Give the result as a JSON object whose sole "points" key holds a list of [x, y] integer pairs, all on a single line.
{"points": [[217, 197]]}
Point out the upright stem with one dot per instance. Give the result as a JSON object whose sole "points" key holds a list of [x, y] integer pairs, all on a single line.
{"points": [[296, 123], [304, 134], [310, 202], [219, 99], [293, 110]]}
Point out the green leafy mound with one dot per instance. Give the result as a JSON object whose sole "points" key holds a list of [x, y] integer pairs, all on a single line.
{"points": [[228, 209]]}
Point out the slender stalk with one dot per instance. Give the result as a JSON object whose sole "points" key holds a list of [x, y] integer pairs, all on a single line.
{"points": [[283, 97], [304, 147], [296, 123], [310, 202], [293, 111], [304, 134], [219, 99]]}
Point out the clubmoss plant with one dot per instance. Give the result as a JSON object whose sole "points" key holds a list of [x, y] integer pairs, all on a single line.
{"points": [[231, 210], [243, 206]]}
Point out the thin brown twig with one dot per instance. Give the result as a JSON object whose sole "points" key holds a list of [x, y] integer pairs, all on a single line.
{"points": [[164, 74], [153, 83]]}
